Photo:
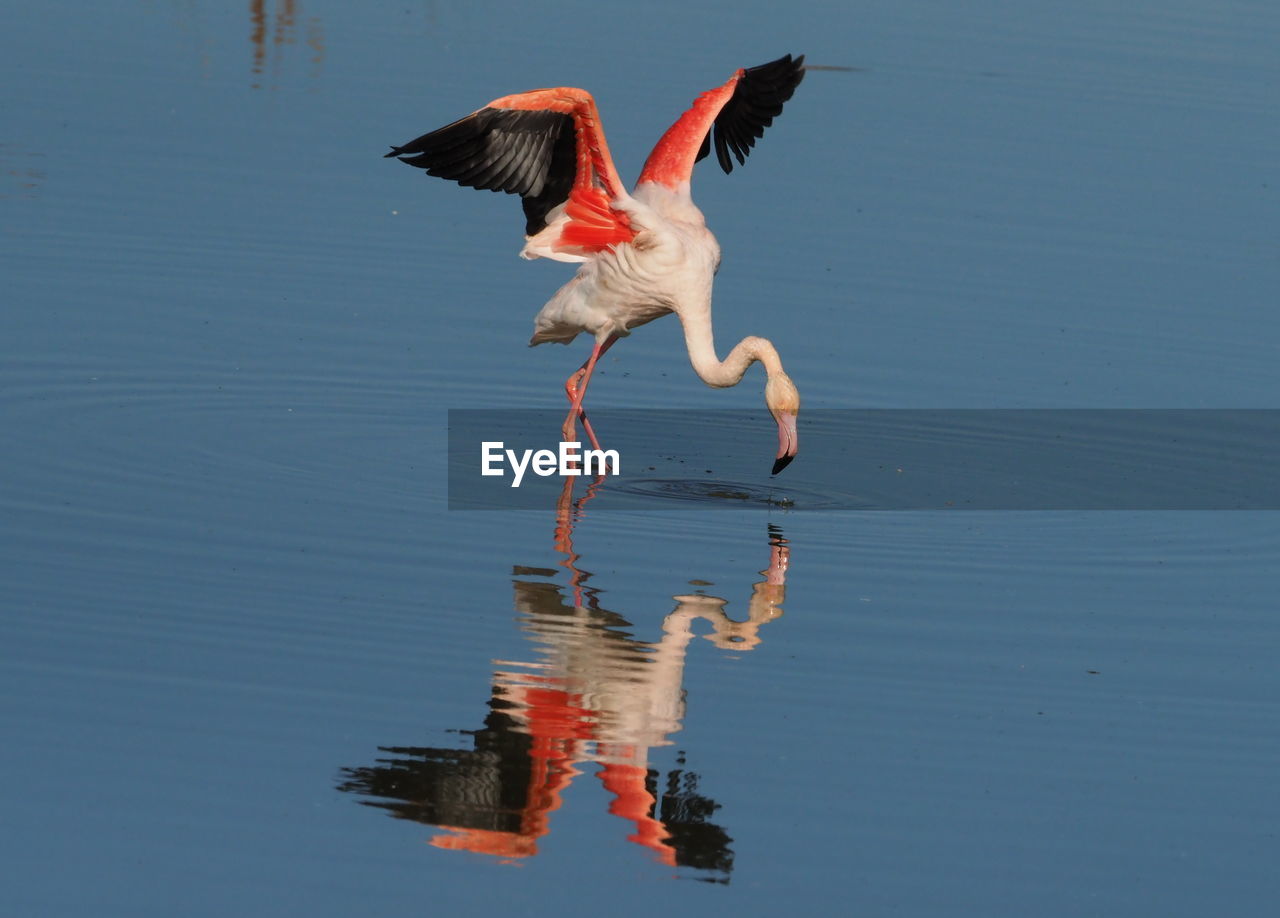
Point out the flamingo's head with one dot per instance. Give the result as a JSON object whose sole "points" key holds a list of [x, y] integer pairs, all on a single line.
{"points": [[783, 399]]}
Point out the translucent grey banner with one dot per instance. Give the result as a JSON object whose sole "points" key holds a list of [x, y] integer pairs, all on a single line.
{"points": [[1192, 459]]}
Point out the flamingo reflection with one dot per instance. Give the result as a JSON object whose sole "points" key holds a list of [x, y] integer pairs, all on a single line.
{"points": [[280, 34], [595, 695]]}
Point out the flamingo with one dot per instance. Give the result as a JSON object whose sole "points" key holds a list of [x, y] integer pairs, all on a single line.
{"points": [[643, 255]]}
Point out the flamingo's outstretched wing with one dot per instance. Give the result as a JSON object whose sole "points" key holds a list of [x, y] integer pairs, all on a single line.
{"points": [[546, 146], [757, 99], [735, 114]]}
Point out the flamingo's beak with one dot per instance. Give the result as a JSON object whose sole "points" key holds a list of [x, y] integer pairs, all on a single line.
{"points": [[788, 440]]}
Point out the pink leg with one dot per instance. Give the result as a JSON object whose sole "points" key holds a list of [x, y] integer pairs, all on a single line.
{"points": [[568, 433], [575, 387]]}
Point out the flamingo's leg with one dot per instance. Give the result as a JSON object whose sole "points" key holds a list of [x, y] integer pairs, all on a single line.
{"points": [[575, 387], [569, 432]]}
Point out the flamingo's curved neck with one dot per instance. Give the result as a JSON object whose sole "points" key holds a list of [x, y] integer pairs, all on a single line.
{"points": [[671, 162], [720, 374]]}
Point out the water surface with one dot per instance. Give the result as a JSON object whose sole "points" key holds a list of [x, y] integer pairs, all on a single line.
{"points": [[236, 606]]}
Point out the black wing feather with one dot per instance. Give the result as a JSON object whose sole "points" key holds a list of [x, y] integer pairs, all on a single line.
{"points": [[756, 101], [556, 179], [529, 153]]}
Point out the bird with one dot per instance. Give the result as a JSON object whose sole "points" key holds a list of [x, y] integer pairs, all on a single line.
{"points": [[642, 254]]}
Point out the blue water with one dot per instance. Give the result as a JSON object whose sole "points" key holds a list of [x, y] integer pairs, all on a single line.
{"points": [[235, 606]]}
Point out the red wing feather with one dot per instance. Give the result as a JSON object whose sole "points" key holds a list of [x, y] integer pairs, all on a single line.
{"points": [[593, 225]]}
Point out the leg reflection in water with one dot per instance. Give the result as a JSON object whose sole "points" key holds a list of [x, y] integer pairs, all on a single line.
{"points": [[594, 696]]}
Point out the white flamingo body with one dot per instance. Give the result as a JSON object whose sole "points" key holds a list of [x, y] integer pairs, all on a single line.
{"points": [[667, 268], [642, 255]]}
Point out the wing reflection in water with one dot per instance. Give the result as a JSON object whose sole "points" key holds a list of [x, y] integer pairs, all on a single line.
{"points": [[595, 695]]}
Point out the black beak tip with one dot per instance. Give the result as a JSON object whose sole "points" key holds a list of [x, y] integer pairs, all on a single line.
{"points": [[781, 463]]}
